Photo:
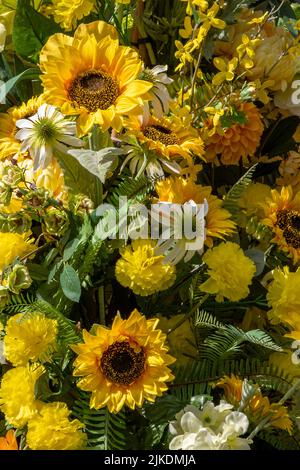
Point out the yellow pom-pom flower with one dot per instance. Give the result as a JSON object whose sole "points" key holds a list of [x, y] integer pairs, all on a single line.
{"points": [[17, 394], [181, 341], [68, 12], [13, 245], [237, 141], [230, 272], [51, 429], [283, 297], [282, 215], [29, 338], [92, 76], [144, 272], [252, 200], [124, 365]]}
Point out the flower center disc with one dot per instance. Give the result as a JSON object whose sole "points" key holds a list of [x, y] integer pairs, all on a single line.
{"points": [[289, 222], [94, 90], [161, 134], [121, 364]]}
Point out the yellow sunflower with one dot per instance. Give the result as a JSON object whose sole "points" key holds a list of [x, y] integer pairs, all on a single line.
{"points": [[92, 76], [237, 141], [282, 215], [124, 365], [169, 136], [9, 146], [178, 190]]}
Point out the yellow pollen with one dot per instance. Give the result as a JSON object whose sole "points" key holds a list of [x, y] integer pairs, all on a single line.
{"points": [[161, 134], [289, 222], [122, 364]]}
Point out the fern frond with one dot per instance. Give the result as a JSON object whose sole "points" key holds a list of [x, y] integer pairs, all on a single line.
{"points": [[232, 198], [19, 303], [105, 431], [132, 188]]}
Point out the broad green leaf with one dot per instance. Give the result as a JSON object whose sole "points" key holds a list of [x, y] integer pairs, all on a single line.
{"points": [[6, 87], [70, 283], [31, 30], [98, 163]]}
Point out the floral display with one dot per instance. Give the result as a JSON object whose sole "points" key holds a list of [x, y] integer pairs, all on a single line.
{"points": [[149, 225]]}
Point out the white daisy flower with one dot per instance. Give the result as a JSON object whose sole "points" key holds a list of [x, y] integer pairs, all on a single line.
{"points": [[48, 130], [160, 98]]}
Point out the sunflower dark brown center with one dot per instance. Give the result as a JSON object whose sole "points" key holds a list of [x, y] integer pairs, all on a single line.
{"points": [[161, 134], [94, 90], [289, 222], [121, 364]]}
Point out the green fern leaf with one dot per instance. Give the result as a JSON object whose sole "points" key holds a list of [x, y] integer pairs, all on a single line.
{"points": [[232, 198]]}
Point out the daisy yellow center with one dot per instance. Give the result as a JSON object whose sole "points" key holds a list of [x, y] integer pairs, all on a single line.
{"points": [[94, 90], [289, 222], [161, 134], [121, 364]]}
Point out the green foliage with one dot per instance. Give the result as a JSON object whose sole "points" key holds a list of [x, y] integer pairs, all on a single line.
{"points": [[70, 283], [31, 30], [227, 341], [105, 431], [7, 87], [232, 198], [135, 189]]}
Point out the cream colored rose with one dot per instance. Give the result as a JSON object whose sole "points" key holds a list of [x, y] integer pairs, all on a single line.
{"points": [[2, 37]]}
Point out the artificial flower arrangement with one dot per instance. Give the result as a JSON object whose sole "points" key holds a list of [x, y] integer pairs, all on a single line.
{"points": [[121, 123]]}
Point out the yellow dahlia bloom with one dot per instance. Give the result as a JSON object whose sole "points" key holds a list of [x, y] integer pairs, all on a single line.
{"points": [[92, 76], [17, 394], [252, 200], [230, 272], [289, 170], [52, 429], [181, 341], [283, 297], [178, 190], [50, 178], [30, 338], [282, 215], [9, 146], [13, 245], [144, 272], [239, 140], [284, 361], [169, 137], [124, 365], [258, 406], [68, 12]]}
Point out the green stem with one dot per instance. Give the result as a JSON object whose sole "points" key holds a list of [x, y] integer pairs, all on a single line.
{"points": [[101, 305]]}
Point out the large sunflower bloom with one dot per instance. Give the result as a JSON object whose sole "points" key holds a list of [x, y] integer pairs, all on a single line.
{"points": [[92, 76], [282, 215], [9, 146], [178, 190], [124, 365]]}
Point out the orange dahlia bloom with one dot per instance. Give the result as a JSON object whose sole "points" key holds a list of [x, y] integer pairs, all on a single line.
{"points": [[239, 140]]}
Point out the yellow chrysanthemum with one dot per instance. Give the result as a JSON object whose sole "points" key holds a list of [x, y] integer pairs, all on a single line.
{"points": [[29, 338], [92, 76], [178, 190], [230, 272], [124, 365], [9, 146], [144, 272], [169, 136], [283, 360], [283, 297], [239, 140], [289, 170], [181, 341], [282, 215], [51, 429], [17, 394], [68, 12], [258, 407], [252, 200], [13, 245]]}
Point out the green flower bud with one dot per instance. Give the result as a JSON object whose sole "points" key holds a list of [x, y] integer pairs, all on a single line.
{"points": [[38, 197], [81, 204], [5, 194], [12, 175], [4, 296], [55, 223], [17, 223], [18, 279]]}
